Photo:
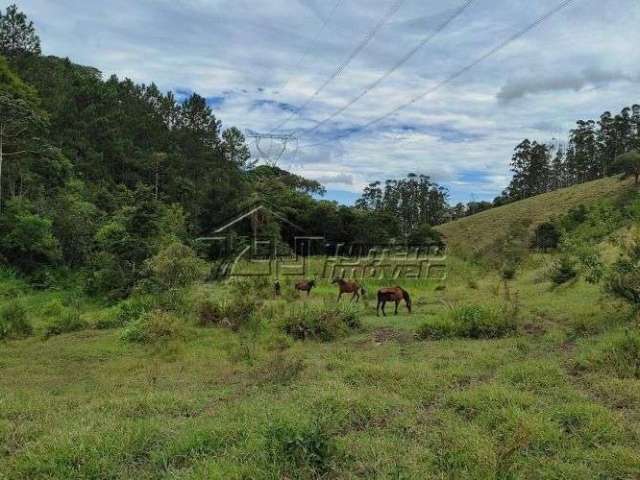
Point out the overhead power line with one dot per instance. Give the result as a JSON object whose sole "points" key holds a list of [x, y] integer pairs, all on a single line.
{"points": [[395, 67], [393, 9], [452, 77], [306, 52]]}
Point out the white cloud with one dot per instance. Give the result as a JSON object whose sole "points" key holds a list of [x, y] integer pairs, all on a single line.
{"points": [[576, 65]]}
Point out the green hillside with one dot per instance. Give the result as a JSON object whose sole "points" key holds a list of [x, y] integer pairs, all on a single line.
{"points": [[477, 233]]}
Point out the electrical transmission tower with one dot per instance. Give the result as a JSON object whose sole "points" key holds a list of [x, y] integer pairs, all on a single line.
{"points": [[272, 147]]}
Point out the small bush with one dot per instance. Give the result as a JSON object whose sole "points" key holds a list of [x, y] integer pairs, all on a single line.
{"points": [[233, 314], [546, 236], [261, 287], [305, 450], [153, 327], [63, 320], [508, 271], [617, 353], [623, 280], [126, 313], [470, 321], [563, 270], [14, 322], [321, 322], [176, 266]]}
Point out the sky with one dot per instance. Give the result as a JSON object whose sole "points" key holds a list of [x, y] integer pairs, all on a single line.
{"points": [[263, 62]]}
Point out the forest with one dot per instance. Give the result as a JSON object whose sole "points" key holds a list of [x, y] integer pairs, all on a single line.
{"points": [[96, 172]]}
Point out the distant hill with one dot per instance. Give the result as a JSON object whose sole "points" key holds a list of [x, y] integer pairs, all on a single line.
{"points": [[478, 232]]}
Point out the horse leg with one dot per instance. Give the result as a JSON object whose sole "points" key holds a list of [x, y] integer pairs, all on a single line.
{"points": [[396, 311], [384, 302], [378, 309]]}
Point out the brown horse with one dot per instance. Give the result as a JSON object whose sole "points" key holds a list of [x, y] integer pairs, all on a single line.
{"points": [[395, 294], [305, 286], [349, 287]]}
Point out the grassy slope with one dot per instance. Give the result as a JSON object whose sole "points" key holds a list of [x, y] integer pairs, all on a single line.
{"points": [[477, 232], [88, 405]]}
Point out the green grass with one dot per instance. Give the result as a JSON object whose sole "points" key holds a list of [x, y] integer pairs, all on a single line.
{"points": [[549, 400], [477, 233]]}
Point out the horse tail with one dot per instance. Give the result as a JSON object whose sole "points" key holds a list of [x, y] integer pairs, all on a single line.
{"points": [[363, 292]]}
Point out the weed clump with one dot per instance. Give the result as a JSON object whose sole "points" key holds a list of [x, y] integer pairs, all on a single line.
{"points": [[304, 450], [281, 369], [233, 314], [617, 354], [470, 321], [321, 322], [126, 313], [14, 322], [63, 320], [153, 327], [563, 270]]}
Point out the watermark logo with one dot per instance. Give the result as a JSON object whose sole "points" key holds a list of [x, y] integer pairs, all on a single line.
{"points": [[261, 242]]}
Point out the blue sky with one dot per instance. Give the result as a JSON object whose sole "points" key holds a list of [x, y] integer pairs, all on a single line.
{"points": [[257, 61]]}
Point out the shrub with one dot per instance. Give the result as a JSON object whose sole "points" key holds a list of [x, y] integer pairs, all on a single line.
{"points": [[470, 321], [321, 322], [623, 279], [305, 450], [176, 266], [617, 353], [546, 236], [233, 314], [256, 287], [63, 320], [14, 322], [153, 327], [125, 313], [563, 270], [508, 270]]}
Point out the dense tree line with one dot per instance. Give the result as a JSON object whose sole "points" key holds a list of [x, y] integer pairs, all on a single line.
{"points": [[99, 174], [595, 149]]}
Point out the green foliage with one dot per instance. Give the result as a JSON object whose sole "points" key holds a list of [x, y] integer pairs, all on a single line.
{"points": [[424, 234], [62, 319], [125, 313], [75, 223], [17, 34], [304, 450], [563, 270], [176, 266], [617, 353], [623, 278], [14, 322], [155, 326], [281, 369], [546, 236], [231, 313], [321, 321], [470, 321], [27, 237], [629, 163]]}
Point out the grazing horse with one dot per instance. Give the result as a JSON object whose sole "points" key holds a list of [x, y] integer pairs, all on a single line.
{"points": [[395, 294], [305, 286], [349, 287]]}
